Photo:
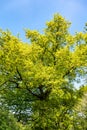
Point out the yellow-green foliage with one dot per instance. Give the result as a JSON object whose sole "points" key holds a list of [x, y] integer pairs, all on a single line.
{"points": [[39, 75]]}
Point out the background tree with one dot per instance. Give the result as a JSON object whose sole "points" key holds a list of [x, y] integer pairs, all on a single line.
{"points": [[80, 111]]}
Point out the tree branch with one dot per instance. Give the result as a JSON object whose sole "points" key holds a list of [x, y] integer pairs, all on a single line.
{"points": [[68, 72], [3, 83], [32, 92], [20, 76]]}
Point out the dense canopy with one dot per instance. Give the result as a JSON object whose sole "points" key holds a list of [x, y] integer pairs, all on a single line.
{"points": [[37, 79]]}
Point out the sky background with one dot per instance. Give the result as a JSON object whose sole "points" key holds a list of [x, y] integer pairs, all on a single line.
{"points": [[16, 15]]}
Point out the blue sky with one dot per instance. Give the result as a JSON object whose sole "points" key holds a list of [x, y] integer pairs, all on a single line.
{"points": [[16, 15]]}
